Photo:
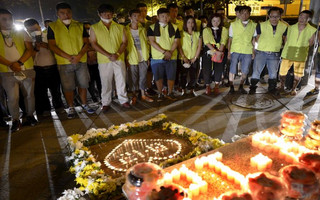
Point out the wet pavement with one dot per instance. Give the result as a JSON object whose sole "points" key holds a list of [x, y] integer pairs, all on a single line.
{"points": [[32, 160]]}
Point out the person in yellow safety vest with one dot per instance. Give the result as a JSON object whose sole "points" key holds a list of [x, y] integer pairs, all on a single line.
{"points": [[315, 90], [16, 69], [109, 39], [188, 11], [295, 52], [137, 56], [164, 38], [270, 36], [69, 42], [146, 23], [240, 46], [191, 43]]}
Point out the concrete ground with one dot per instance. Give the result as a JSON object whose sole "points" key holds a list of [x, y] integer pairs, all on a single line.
{"points": [[32, 164]]}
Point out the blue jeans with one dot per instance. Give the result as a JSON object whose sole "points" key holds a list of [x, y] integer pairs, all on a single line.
{"points": [[164, 67], [271, 60], [244, 59]]}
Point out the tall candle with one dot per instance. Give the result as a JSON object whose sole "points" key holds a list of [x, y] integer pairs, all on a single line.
{"points": [[175, 175], [198, 164], [194, 188], [167, 178]]}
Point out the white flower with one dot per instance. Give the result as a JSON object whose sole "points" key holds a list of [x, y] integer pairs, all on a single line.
{"points": [[79, 145], [72, 194]]}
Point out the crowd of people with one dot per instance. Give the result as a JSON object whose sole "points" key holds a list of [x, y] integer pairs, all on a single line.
{"points": [[172, 52]]}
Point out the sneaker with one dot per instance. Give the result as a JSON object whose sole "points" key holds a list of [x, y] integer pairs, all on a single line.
{"points": [[16, 125], [164, 91], [242, 90], [171, 97], [253, 90], [30, 121], [231, 91], [105, 109], [146, 98], [314, 91], [150, 92], [88, 109], [216, 91], [133, 101], [160, 97], [293, 93], [71, 113], [194, 94], [183, 92], [126, 105], [208, 90]]}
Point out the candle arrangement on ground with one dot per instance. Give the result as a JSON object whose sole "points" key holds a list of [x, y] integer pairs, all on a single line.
{"points": [[313, 138], [133, 151], [291, 124]]}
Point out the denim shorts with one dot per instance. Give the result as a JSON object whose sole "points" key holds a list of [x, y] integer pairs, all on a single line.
{"points": [[160, 68], [318, 66], [74, 74], [244, 59]]}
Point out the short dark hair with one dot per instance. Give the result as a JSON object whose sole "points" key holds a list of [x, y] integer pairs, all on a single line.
{"points": [[275, 9], [133, 11], [105, 8], [62, 5], [30, 22], [86, 22], [187, 8], [5, 11], [141, 5], [308, 12], [185, 21], [172, 5], [247, 8], [221, 9], [47, 21], [162, 10], [237, 8], [203, 17]]}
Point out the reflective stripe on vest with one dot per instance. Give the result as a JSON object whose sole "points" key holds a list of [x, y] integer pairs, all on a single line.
{"points": [[297, 46], [242, 37], [109, 39], [69, 40], [269, 41], [18, 39]]}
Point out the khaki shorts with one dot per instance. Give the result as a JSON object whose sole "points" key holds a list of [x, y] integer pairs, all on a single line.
{"points": [[298, 67]]}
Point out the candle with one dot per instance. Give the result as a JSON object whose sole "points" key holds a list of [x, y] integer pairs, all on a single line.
{"points": [[167, 178], [198, 164], [204, 160], [183, 171], [189, 175], [217, 167], [261, 162], [175, 175], [194, 188], [225, 170], [203, 187], [230, 175], [212, 161]]}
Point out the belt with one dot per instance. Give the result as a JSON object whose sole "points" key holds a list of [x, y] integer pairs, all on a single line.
{"points": [[268, 52], [45, 67]]}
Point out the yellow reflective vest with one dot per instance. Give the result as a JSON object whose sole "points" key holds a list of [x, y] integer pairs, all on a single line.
{"points": [[69, 40], [165, 41], [208, 37], [109, 39], [18, 39], [297, 45], [269, 41], [242, 37], [132, 53], [189, 44]]}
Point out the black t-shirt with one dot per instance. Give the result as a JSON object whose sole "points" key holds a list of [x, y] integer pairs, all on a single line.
{"points": [[51, 36], [258, 29], [150, 32]]}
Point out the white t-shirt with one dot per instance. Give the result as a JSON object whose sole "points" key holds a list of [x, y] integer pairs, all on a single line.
{"points": [[137, 43], [43, 57], [10, 49]]}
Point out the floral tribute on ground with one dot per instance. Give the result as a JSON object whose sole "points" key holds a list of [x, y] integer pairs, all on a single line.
{"points": [[93, 181]]}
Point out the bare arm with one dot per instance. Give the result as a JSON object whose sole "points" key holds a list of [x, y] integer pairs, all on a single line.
{"points": [[96, 46], [311, 41], [155, 45], [27, 53], [229, 47]]}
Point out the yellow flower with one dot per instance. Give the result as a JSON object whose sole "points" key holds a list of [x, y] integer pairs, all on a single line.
{"points": [[82, 181], [75, 138], [77, 151]]}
